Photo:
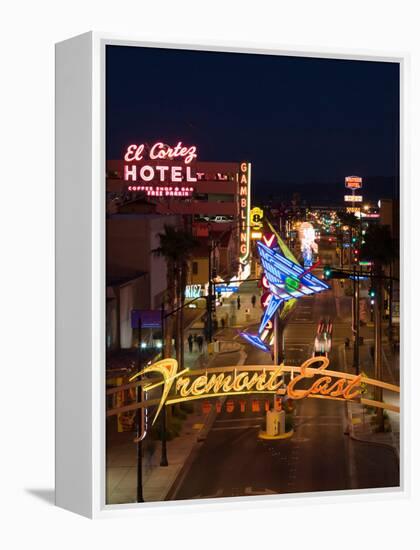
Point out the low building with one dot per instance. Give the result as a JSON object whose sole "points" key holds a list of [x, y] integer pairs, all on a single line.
{"points": [[136, 276]]}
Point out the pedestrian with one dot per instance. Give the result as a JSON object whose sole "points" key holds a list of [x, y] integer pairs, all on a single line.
{"points": [[223, 322], [253, 300], [200, 343], [238, 302], [195, 340], [190, 343]]}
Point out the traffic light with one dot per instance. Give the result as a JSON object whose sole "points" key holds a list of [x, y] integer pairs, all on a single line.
{"points": [[372, 292], [327, 271], [354, 240]]}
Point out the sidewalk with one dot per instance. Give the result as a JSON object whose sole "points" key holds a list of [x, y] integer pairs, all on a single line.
{"points": [[157, 480], [360, 418]]}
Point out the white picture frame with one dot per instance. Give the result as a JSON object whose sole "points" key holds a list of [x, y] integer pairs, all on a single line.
{"points": [[80, 277]]}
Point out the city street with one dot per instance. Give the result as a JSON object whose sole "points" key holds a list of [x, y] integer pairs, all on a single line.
{"points": [[319, 457]]}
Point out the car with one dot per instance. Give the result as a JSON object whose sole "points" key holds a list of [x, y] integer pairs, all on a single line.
{"points": [[323, 339]]}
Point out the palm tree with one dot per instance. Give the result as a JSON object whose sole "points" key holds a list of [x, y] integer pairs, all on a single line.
{"points": [[167, 249], [379, 248], [176, 246], [186, 245]]}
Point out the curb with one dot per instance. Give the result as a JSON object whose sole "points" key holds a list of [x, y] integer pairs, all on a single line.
{"points": [[350, 432], [201, 437]]}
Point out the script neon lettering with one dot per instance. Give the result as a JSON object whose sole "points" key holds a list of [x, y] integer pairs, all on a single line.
{"points": [[161, 151], [217, 384], [134, 152], [341, 387]]}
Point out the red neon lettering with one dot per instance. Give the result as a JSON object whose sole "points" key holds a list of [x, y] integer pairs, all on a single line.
{"points": [[189, 176], [176, 173], [243, 248], [130, 172], [162, 170], [134, 152], [243, 190], [244, 167], [147, 173], [269, 240], [243, 203], [161, 151]]}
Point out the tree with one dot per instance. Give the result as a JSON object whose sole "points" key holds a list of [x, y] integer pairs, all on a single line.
{"points": [[186, 245], [176, 246], [167, 249]]}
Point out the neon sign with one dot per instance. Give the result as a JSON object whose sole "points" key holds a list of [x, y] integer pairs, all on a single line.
{"points": [[286, 281], [244, 200], [353, 182], [163, 191], [257, 379], [138, 170], [192, 291], [308, 245], [353, 198], [255, 218], [161, 151]]}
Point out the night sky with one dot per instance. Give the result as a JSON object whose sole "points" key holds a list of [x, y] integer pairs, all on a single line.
{"points": [[304, 123]]}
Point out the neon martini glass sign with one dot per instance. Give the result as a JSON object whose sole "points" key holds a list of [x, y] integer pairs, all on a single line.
{"points": [[286, 280]]}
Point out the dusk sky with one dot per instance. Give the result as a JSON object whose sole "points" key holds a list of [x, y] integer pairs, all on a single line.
{"points": [[297, 120]]}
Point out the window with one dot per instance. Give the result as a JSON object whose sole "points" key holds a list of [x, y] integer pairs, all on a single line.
{"points": [[195, 268]]}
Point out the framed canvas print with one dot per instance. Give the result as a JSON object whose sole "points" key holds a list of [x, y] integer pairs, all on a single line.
{"points": [[229, 275]]}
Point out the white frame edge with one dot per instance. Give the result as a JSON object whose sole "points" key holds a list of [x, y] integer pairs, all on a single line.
{"points": [[80, 276]]}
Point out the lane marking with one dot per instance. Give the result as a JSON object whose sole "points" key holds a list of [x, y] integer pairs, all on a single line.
{"points": [[240, 419], [235, 428]]}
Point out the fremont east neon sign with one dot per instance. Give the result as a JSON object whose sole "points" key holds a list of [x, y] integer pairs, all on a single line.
{"points": [[189, 385]]}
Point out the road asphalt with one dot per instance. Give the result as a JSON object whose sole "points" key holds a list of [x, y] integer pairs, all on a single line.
{"points": [[321, 456]]}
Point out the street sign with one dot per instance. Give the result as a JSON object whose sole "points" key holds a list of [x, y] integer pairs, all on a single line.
{"points": [[226, 288], [150, 318]]}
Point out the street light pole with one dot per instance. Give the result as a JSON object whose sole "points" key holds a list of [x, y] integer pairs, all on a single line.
{"points": [[164, 457], [139, 414], [356, 320], [378, 353], [210, 298]]}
